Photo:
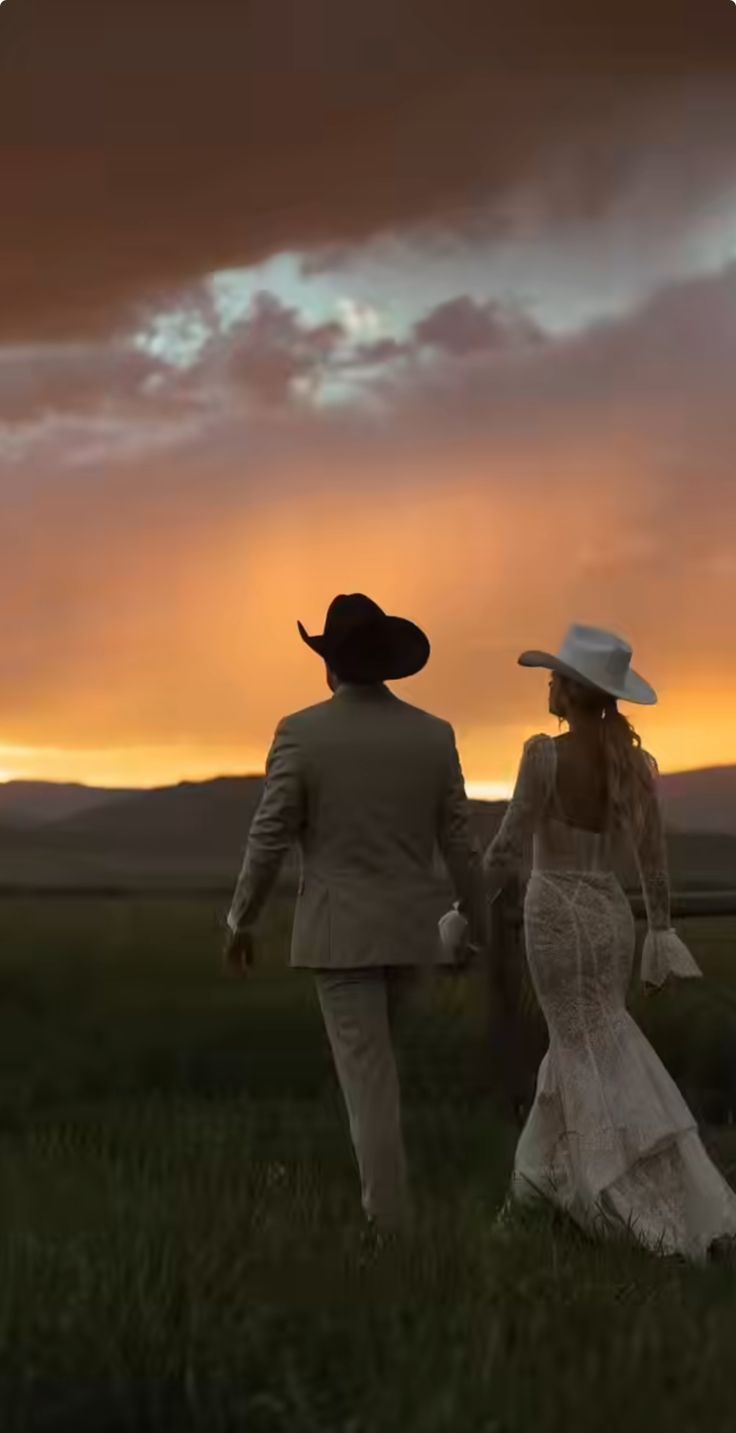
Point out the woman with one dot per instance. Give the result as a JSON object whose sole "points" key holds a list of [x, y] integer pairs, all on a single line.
{"points": [[609, 1138]]}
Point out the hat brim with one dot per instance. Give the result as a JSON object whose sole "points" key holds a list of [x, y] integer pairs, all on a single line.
{"points": [[634, 689], [316, 643], [379, 650]]}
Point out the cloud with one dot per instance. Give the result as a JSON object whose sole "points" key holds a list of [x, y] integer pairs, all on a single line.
{"points": [[151, 596], [273, 351], [462, 326], [165, 141], [42, 380], [656, 380], [188, 369], [660, 375]]}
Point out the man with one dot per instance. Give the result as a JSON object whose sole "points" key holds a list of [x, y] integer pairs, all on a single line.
{"points": [[369, 787]]}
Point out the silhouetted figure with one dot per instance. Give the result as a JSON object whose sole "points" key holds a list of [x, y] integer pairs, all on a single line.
{"points": [[609, 1138], [368, 786]]}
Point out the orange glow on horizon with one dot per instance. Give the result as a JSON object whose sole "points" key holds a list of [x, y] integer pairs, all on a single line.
{"points": [[182, 672], [489, 757]]}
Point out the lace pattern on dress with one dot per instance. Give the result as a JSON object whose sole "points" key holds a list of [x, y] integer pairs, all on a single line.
{"points": [[505, 854], [664, 953], [609, 1137], [651, 856]]}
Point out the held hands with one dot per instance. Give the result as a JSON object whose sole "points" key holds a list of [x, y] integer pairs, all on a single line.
{"points": [[455, 937], [652, 990], [237, 952]]}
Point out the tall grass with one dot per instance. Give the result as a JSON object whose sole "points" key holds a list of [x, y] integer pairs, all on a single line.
{"points": [[181, 1246]]}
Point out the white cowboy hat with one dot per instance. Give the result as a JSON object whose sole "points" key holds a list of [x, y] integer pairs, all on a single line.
{"points": [[597, 658]]}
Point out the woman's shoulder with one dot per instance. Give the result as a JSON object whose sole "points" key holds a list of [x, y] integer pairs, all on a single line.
{"points": [[540, 759], [537, 742]]}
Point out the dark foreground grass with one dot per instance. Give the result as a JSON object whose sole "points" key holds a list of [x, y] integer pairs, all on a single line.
{"points": [[181, 1247]]}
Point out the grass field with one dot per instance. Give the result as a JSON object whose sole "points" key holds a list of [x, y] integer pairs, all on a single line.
{"points": [[181, 1240]]}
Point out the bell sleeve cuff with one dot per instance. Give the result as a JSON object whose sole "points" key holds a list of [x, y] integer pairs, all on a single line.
{"points": [[665, 954]]}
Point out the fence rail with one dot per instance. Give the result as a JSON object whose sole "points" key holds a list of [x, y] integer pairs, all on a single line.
{"points": [[685, 904], [125, 891], [507, 909]]}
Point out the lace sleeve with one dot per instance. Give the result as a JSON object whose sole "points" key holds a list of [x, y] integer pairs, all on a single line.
{"points": [[664, 953], [505, 854], [651, 855]]}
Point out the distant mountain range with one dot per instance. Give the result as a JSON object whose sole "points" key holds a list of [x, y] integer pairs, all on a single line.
{"points": [[693, 800], [51, 833], [32, 803], [701, 800], [192, 831]]}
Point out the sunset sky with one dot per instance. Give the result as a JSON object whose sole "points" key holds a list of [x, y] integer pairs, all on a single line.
{"points": [[430, 300]]}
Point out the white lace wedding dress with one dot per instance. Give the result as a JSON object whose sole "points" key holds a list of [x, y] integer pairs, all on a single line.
{"points": [[609, 1138]]}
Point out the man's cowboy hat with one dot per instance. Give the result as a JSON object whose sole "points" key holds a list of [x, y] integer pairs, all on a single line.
{"points": [[598, 659], [361, 643]]}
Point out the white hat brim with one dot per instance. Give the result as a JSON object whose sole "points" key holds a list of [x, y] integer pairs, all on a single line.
{"points": [[634, 689]]}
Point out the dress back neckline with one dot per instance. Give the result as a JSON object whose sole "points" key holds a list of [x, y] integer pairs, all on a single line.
{"points": [[558, 813]]}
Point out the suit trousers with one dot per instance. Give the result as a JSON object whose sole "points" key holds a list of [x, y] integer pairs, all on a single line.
{"points": [[360, 1008]]}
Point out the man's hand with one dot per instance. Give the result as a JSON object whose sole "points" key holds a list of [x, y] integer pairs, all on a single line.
{"points": [[469, 957], [237, 953]]}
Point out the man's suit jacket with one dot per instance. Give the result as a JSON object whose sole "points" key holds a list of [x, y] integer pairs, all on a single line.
{"points": [[369, 787]]}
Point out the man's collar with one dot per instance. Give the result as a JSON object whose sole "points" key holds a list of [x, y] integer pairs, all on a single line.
{"points": [[362, 691]]}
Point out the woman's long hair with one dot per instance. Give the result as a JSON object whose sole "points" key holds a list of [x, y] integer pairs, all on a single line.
{"points": [[630, 772]]}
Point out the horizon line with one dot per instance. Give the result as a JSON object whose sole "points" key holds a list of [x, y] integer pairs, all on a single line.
{"points": [[492, 790]]}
